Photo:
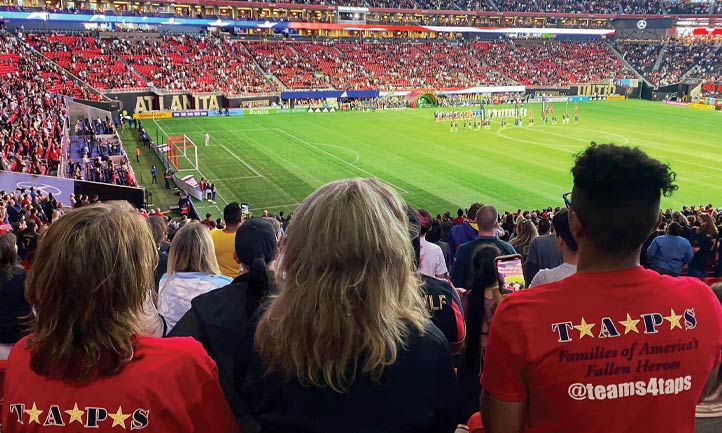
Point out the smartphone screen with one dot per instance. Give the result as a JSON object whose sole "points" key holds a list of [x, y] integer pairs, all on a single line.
{"points": [[511, 273], [245, 209]]}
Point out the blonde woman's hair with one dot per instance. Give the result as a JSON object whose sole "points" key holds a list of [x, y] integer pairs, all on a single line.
{"points": [[349, 297], [94, 271], [526, 232], [192, 250]]}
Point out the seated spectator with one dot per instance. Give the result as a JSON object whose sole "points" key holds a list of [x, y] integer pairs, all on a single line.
{"points": [[15, 312], [84, 360], [348, 340], [219, 319], [192, 271], [567, 245], [668, 253], [435, 235]]}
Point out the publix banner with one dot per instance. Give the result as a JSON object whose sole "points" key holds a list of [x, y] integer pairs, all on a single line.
{"points": [[150, 101]]}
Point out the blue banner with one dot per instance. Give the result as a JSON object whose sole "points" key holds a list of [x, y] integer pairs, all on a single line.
{"points": [[122, 19]]}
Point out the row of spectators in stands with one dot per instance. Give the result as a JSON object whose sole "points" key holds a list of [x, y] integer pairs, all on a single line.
{"points": [[95, 62], [548, 6], [209, 63], [285, 329], [694, 57], [31, 117], [200, 63]]}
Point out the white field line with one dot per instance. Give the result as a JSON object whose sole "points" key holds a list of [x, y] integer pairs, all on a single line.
{"points": [[339, 159], [242, 161], [199, 172]]}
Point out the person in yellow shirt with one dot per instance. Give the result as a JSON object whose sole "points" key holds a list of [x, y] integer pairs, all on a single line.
{"points": [[224, 240]]}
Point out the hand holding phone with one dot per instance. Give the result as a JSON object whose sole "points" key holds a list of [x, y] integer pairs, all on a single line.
{"points": [[510, 273]]}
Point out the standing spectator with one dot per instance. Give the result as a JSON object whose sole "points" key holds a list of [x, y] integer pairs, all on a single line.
{"points": [[14, 309], [567, 245], [709, 411], [113, 374], [431, 260], [534, 374], [154, 174], [434, 236], [209, 219], [442, 300], [220, 318], [159, 229], [543, 251], [322, 348], [483, 296], [526, 232], [459, 217], [668, 253], [192, 271], [224, 239], [466, 231], [462, 271], [703, 241]]}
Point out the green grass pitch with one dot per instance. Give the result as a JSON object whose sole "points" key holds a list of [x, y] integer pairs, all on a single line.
{"points": [[273, 162]]}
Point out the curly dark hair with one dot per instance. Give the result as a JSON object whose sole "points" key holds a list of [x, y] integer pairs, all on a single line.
{"points": [[616, 195]]}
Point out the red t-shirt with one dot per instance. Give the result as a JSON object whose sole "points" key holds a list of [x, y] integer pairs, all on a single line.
{"points": [[170, 386], [626, 351]]}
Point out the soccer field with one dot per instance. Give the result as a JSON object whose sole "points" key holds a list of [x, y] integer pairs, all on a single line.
{"points": [[274, 161]]}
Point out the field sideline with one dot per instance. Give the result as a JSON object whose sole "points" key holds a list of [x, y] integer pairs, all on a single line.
{"points": [[274, 161]]}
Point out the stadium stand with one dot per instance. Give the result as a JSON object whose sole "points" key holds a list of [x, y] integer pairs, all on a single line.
{"points": [[195, 63], [82, 55]]}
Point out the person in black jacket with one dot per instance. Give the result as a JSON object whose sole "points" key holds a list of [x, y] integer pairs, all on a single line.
{"points": [[220, 318], [14, 309], [347, 344]]}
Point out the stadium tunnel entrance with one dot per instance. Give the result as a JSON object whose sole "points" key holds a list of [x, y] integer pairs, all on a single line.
{"points": [[422, 100]]}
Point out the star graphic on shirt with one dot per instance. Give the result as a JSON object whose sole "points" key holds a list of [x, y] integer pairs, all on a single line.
{"points": [[629, 325], [75, 414], [119, 417], [585, 329], [673, 320], [34, 414]]}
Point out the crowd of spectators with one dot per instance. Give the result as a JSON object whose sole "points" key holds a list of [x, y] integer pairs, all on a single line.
{"points": [[278, 313], [196, 63], [31, 115], [290, 66], [95, 62]]}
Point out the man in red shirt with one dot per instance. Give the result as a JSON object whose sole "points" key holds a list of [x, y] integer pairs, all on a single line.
{"points": [[615, 347]]}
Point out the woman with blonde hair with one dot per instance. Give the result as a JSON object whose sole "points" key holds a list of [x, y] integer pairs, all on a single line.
{"points": [[525, 232], [85, 360], [347, 344], [192, 270]]}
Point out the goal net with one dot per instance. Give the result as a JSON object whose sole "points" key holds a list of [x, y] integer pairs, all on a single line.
{"points": [[182, 153]]}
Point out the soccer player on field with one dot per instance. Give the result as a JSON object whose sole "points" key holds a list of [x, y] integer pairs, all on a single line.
{"points": [[576, 113], [206, 138], [614, 347]]}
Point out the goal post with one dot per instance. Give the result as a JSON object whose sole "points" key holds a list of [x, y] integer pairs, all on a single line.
{"points": [[182, 153]]}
